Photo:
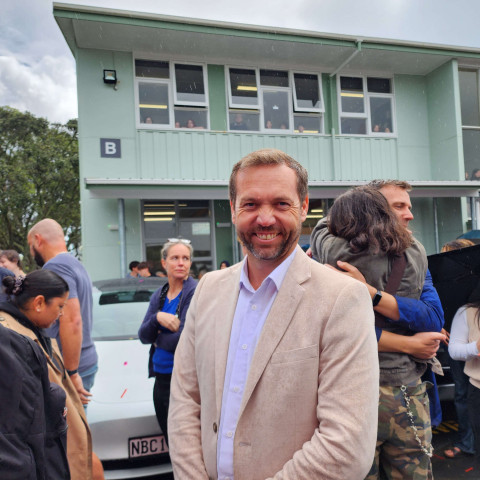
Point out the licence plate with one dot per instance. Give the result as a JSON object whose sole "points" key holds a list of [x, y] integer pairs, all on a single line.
{"points": [[144, 446]]}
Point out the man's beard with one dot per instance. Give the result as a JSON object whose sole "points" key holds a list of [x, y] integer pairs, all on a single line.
{"points": [[38, 258], [267, 254]]}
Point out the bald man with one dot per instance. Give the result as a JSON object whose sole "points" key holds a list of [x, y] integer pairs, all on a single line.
{"points": [[73, 329]]}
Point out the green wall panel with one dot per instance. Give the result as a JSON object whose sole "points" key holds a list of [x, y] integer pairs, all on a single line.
{"points": [[412, 127], [217, 97], [445, 123], [365, 159], [101, 244], [211, 155]]}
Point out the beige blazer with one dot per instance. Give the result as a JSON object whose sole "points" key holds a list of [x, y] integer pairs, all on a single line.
{"points": [[310, 406]]}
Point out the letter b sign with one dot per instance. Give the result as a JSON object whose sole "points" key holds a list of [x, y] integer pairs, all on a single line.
{"points": [[110, 148]]}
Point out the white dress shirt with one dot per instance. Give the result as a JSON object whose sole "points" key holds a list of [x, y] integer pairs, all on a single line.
{"points": [[251, 312]]}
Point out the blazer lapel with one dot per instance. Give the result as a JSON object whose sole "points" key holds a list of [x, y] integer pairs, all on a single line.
{"points": [[230, 286], [278, 320]]}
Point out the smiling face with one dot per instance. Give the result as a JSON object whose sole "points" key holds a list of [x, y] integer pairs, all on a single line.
{"points": [[399, 201], [178, 262], [268, 213]]}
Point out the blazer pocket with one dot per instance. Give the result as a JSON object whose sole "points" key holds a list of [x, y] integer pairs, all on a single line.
{"points": [[297, 355]]}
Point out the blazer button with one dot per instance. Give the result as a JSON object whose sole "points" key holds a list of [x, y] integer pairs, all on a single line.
{"points": [[215, 427]]}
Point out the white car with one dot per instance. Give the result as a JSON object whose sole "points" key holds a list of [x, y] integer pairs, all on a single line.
{"points": [[121, 415]]}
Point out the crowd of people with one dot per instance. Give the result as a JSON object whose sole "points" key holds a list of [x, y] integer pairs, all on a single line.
{"points": [[279, 366]]}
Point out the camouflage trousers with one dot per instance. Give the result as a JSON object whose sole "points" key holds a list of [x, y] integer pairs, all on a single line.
{"points": [[403, 440]]}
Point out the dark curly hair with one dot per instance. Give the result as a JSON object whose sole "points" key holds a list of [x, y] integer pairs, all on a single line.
{"points": [[363, 217]]}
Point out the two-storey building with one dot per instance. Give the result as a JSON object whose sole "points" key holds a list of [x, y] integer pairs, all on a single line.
{"points": [[167, 105]]}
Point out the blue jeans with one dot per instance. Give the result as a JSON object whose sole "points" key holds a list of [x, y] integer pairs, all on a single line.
{"points": [[465, 440]]}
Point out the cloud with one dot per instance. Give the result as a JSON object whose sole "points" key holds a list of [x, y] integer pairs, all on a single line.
{"points": [[45, 87]]}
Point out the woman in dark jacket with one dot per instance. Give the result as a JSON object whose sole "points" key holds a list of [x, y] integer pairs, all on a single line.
{"points": [[32, 417], [164, 321], [37, 300]]}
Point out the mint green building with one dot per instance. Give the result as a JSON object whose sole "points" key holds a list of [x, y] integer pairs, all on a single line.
{"points": [[167, 105]]}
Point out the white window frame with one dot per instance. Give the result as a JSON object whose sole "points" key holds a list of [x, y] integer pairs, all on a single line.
{"points": [[174, 85], [172, 93], [367, 114], [269, 88], [292, 99], [369, 119], [156, 81], [363, 114], [298, 109], [242, 106], [321, 117]]}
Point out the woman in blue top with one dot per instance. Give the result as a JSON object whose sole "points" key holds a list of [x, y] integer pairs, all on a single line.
{"points": [[164, 321]]}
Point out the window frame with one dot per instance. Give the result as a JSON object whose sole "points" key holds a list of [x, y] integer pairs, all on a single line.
{"points": [[240, 106], [287, 90], [367, 112], [154, 81], [174, 85], [172, 92], [298, 109], [320, 111]]}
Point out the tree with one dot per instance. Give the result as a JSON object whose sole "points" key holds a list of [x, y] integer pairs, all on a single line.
{"points": [[39, 178]]}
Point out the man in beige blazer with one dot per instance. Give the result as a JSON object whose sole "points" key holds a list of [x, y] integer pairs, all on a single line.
{"points": [[297, 398]]}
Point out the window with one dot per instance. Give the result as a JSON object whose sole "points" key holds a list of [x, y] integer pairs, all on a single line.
{"points": [[274, 101], [366, 106], [190, 219], [470, 105], [171, 94]]}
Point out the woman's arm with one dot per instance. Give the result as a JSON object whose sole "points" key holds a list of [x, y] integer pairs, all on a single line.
{"points": [[169, 342], [148, 331], [460, 348]]}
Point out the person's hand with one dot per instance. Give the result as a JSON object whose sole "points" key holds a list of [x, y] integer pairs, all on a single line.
{"points": [[78, 384], [308, 251], [424, 345], [348, 269], [447, 336], [169, 321]]}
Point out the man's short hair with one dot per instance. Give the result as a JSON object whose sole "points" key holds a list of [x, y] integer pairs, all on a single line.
{"points": [[267, 157], [379, 184], [133, 265], [142, 265]]}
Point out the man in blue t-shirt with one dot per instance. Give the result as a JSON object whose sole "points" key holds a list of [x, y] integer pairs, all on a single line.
{"points": [[73, 329]]}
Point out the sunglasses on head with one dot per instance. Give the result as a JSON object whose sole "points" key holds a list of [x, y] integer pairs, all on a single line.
{"points": [[179, 240]]}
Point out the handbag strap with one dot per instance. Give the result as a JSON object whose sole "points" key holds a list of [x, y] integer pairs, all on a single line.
{"points": [[393, 282]]}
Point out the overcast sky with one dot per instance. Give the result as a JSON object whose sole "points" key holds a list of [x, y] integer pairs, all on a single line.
{"points": [[37, 70]]}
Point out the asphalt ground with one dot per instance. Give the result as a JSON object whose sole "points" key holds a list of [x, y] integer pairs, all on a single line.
{"points": [[443, 437]]}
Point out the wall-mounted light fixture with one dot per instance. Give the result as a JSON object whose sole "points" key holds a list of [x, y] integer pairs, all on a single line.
{"points": [[110, 76]]}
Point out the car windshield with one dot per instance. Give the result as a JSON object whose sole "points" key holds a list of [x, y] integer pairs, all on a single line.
{"points": [[118, 311]]}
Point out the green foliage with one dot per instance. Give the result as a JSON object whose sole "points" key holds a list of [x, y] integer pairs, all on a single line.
{"points": [[39, 178]]}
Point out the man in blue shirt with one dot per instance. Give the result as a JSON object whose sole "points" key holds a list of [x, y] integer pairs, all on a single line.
{"points": [[73, 330]]}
